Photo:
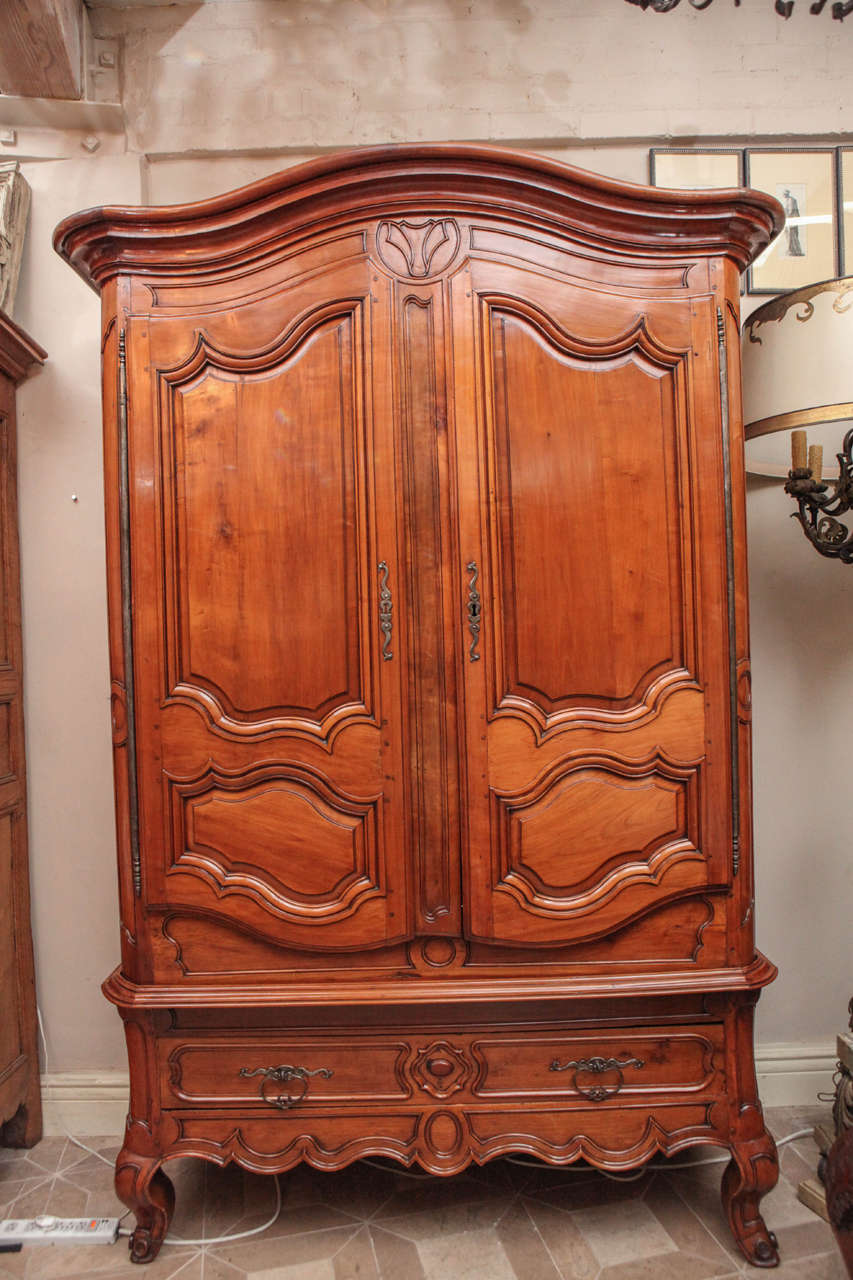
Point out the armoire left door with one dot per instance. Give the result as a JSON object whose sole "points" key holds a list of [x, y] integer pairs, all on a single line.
{"points": [[265, 575]]}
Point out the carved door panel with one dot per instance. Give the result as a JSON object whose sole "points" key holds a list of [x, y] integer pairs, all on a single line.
{"points": [[265, 576], [592, 506]]}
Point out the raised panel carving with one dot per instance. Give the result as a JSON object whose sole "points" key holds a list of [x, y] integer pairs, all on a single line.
{"points": [[264, 625], [281, 836], [590, 829], [589, 444]]}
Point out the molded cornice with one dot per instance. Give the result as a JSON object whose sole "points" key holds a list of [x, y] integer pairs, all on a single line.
{"points": [[617, 218], [19, 353]]}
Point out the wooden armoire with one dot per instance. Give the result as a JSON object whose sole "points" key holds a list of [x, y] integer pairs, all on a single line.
{"points": [[428, 630]]}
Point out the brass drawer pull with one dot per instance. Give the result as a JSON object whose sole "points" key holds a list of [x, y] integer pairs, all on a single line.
{"points": [[597, 1067], [474, 611], [285, 1075], [386, 605]]}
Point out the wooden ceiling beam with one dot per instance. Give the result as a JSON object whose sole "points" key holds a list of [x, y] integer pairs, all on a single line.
{"points": [[41, 48]]}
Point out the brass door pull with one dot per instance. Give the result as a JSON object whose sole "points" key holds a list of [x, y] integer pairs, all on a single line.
{"points": [[474, 611], [597, 1067], [386, 605], [285, 1075]]}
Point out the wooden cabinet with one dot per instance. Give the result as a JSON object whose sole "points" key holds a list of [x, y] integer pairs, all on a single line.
{"points": [[20, 1086], [425, 512]]}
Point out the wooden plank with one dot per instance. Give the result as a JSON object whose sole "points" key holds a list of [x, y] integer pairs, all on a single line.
{"points": [[40, 48]]}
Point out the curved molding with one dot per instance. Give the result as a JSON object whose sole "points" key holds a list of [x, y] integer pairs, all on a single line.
{"points": [[650, 871], [444, 1141], [325, 905], [636, 336], [647, 866], [376, 990], [649, 704], [231, 230]]}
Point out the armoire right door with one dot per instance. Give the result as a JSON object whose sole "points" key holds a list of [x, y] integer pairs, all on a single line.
{"points": [[593, 594]]}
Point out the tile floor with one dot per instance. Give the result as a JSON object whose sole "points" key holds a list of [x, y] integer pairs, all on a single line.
{"points": [[507, 1221]]}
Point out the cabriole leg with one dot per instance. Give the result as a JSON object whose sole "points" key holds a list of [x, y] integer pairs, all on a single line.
{"points": [[143, 1186], [752, 1172]]}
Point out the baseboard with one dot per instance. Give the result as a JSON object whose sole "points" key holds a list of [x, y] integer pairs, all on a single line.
{"points": [[84, 1102], [95, 1102], [792, 1075]]}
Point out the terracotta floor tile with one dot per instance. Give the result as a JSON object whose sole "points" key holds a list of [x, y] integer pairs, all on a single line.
{"points": [[57, 1196], [449, 1219], [357, 1261], [566, 1246], [619, 1233], [186, 1264], [48, 1153], [705, 1201], [683, 1227], [782, 1208], [805, 1239], [669, 1266], [466, 1255], [268, 1252], [398, 1258], [524, 1246], [431, 1196], [827, 1266], [361, 1189], [575, 1193]]}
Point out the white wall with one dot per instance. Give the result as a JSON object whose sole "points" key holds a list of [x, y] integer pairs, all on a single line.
{"points": [[220, 93]]}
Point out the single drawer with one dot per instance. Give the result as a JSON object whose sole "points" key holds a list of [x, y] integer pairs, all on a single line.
{"points": [[278, 1072], [597, 1066]]}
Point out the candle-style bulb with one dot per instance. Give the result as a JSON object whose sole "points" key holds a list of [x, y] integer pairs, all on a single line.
{"points": [[798, 450]]}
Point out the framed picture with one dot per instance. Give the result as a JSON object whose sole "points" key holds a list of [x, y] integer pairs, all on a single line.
{"points": [[691, 168], [804, 182], [845, 208]]}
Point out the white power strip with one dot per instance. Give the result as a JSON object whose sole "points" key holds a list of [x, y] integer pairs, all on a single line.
{"points": [[45, 1229]]}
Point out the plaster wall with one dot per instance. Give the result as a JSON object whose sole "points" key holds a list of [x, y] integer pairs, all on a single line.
{"points": [[220, 93]]}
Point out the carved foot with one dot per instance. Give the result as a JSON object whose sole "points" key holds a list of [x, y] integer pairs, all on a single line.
{"points": [[752, 1172], [143, 1186]]}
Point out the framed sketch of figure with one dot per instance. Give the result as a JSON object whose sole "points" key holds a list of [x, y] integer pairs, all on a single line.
{"points": [[804, 182]]}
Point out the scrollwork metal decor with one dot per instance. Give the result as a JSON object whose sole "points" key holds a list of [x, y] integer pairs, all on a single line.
{"points": [[285, 1075], [840, 9], [386, 606], [597, 1066], [820, 503], [474, 611]]}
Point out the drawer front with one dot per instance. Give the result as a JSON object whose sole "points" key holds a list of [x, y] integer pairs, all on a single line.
{"points": [[598, 1066], [282, 1073], [271, 1071]]}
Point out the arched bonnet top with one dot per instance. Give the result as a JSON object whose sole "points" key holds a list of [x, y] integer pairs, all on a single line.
{"points": [[619, 218]]}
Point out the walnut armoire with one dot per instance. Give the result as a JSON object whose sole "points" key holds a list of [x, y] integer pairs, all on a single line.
{"points": [[428, 631]]}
